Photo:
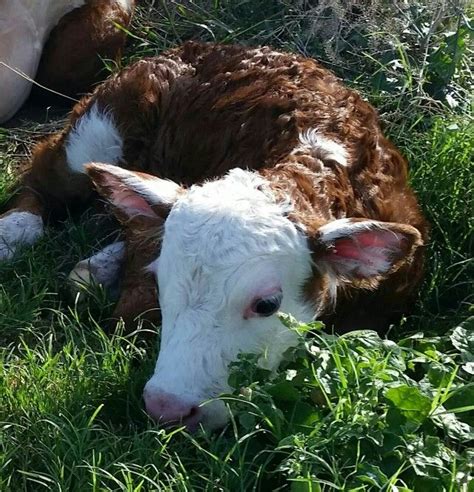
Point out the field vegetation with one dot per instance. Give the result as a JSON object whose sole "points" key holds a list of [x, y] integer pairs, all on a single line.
{"points": [[350, 413]]}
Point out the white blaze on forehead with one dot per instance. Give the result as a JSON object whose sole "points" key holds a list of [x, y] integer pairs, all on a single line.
{"points": [[224, 225], [323, 147], [228, 220], [94, 138], [17, 229]]}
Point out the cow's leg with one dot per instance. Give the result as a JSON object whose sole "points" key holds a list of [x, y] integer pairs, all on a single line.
{"points": [[23, 223], [102, 268]]}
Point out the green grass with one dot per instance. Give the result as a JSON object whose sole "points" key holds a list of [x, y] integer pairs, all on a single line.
{"points": [[343, 413]]}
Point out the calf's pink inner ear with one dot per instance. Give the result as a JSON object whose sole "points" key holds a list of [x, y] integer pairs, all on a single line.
{"points": [[132, 193], [365, 249], [131, 203]]}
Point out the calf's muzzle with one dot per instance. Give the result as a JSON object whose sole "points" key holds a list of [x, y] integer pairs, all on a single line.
{"points": [[169, 410]]}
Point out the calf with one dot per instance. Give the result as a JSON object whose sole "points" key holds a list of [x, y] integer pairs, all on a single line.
{"points": [[58, 41], [269, 187]]}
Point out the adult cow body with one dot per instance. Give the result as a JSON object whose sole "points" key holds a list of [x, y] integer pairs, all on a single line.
{"points": [[269, 186], [59, 43]]}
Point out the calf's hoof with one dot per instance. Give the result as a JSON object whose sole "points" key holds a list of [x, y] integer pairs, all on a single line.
{"points": [[103, 269], [81, 277], [18, 228]]}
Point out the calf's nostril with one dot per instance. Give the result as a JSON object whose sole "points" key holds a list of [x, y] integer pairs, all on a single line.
{"points": [[169, 410], [192, 420], [193, 411]]}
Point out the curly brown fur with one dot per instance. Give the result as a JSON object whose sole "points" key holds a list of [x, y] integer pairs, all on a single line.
{"points": [[199, 110]]}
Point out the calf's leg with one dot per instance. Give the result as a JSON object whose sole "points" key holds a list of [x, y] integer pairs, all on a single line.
{"points": [[56, 181], [22, 225], [101, 268], [47, 190]]}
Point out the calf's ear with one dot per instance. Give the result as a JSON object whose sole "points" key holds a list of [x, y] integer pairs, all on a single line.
{"points": [[350, 249], [134, 195]]}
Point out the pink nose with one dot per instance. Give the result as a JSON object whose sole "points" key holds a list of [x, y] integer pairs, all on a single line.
{"points": [[168, 409]]}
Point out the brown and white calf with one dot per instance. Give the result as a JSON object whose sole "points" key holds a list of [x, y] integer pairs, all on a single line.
{"points": [[59, 42], [270, 187]]}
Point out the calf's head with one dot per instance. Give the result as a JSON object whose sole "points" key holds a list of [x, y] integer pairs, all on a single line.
{"points": [[230, 260]]}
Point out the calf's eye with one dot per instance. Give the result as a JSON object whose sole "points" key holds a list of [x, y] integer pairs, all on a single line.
{"points": [[267, 306]]}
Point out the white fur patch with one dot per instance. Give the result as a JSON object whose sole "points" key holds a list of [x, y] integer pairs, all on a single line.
{"points": [[18, 229], [345, 227], [94, 138], [325, 147], [126, 4]]}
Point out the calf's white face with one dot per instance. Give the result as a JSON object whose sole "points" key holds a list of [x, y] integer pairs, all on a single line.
{"points": [[230, 260]]}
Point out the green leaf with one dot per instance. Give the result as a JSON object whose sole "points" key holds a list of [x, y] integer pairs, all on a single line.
{"points": [[247, 421], [305, 485], [462, 338], [462, 398], [300, 328], [453, 426], [372, 475], [410, 402], [284, 391], [304, 415]]}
